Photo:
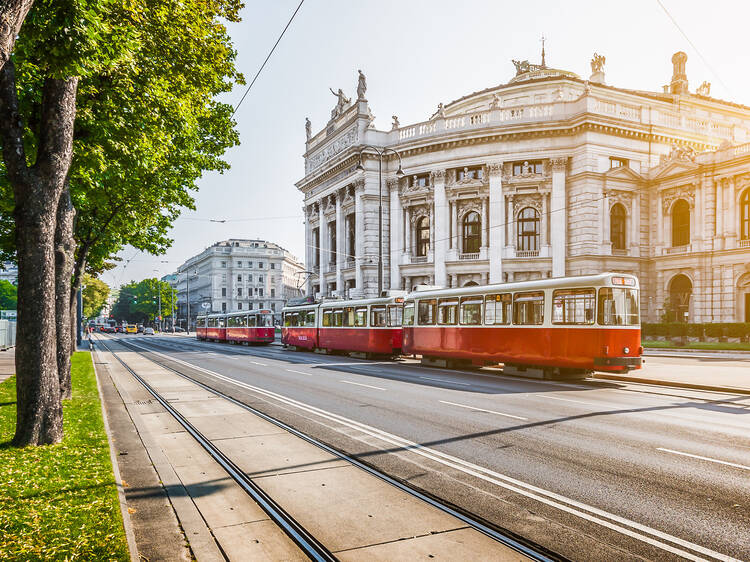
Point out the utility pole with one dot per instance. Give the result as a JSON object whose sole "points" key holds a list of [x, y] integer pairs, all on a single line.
{"points": [[187, 280], [160, 323]]}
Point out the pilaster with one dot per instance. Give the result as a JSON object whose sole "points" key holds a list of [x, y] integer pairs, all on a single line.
{"points": [[497, 222], [359, 218], [341, 256], [558, 212], [440, 227], [396, 220]]}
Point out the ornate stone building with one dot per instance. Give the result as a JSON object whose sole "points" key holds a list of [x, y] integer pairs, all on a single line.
{"points": [[543, 176]]}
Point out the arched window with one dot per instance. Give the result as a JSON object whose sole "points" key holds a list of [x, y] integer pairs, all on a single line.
{"points": [[617, 226], [745, 215], [680, 291], [472, 233], [423, 236], [680, 223], [528, 230]]}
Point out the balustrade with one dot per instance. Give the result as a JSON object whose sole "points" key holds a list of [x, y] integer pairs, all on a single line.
{"points": [[527, 254], [467, 257]]}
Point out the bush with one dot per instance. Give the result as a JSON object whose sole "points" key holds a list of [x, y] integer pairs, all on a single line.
{"points": [[678, 329]]}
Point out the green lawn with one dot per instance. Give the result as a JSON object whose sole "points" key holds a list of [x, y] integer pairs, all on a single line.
{"points": [[59, 502], [698, 345]]}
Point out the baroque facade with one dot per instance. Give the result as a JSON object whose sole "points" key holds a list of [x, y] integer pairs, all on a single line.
{"points": [[546, 175], [236, 275]]}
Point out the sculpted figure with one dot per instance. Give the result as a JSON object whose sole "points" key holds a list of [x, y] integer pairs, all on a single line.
{"points": [[597, 63], [704, 89], [343, 101], [361, 86], [495, 103], [526, 168], [440, 113], [396, 124], [521, 66], [308, 128]]}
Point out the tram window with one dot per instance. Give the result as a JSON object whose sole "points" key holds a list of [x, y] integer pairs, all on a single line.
{"points": [[471, 311], [573, 306], [251, 321], [231, 322], [360, 317], [395, 313], [618, 307], [349, 316], [338, 317], [212, 322], [377, 316], [528, 308], [327, 318], [265, 320], [497, 308], [426, 312], [447, 311], [408, 319], [222, 321], [310, 319]]}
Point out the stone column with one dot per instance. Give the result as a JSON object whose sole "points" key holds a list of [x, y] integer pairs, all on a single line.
{"points": [[484, 215], [606, 225], [635, 226], [544, 223], [441, 227], [341, 256], [359, 229], [396, 222], [408, 250], [308, 248], [732, 226], [510, 222], [659, 224], [323, 241], [497, 222], [454, 225], [559, 218], [719, 212]]}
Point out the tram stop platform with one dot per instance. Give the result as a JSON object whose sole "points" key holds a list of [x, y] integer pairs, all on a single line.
{"points": [[179, 504]]}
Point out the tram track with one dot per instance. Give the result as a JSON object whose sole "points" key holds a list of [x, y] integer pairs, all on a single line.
{"points": [[312, 547]]}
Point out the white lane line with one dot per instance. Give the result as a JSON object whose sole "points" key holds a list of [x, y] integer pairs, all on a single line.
{"points": [[259, 363], [360, 384], [445, 381], [483, 410], [601, 517], [299, 372], [703, 458], [565, 399]]}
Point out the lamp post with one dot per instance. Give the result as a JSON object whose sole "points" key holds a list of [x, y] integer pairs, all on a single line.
{"points": [[187, 290], [399, 174]]}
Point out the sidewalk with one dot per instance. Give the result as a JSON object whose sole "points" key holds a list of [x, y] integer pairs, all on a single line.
{"points": [[7, 363]]}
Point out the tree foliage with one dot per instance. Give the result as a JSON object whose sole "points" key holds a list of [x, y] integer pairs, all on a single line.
{"points": [[8, 295], [139, 302], [95, 293]]}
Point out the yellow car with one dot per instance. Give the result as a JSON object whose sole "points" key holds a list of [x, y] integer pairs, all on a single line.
{"points": [[131, 329]]}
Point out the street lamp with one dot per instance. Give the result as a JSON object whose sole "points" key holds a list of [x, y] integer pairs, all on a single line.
{"points": [[399, 174], [187, 290]]}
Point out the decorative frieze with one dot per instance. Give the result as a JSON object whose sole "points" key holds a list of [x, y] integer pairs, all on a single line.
{"points": [[346, 140], [669, 196]]}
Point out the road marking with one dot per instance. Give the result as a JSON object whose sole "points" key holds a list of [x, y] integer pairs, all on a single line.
{"points": [[299, 372], [259, 363], [483, 410], [445, 381], [703, 458], [558, 501], [566, 400], [360, 384]]}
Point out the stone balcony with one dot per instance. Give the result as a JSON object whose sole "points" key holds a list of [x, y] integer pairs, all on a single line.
{"points": [[743, 243]]}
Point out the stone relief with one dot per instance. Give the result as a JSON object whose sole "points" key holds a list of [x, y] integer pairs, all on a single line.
{"points": [[681, 153], [559, 164], [437, 176], [416, 212], [494, 168], [615, 196], [344, 141], [669, 196], [520, 202], [597, 63]]}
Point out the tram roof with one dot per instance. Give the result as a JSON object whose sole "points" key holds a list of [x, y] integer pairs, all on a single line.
{"points": [[598, 280], [338, 303]]}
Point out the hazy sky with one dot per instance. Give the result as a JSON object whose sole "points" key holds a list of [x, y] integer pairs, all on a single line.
{"points": [[416, 54]]}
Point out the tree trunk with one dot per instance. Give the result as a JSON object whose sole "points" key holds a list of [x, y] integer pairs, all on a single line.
{"points": [[64, 248], [37, 191], [12, 14]]}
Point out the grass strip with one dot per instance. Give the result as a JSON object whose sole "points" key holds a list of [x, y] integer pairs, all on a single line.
{"points": [[59, 502], [705, 345]]}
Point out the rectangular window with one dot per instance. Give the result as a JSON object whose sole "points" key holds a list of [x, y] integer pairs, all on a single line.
{"points": [[223, 291], [289, 319], [419, 180], [239, 306], [260, 265], [310, 319], [349, 316], [273, 292], [249, 264], [273, 265], [618, 307], [239, 291], [447, 311], [408, 318], [395, 312], [224, 305], [212, 322], [377, 316], [426, 312], [260, 292], [273, 306], [239, 279], [573, 306], [528, 308], [528, 167], [239, 264], [249, 278], [473, 173], [338, 317], [327, 318], [618, 162], [497, 309], [223, 264], [471, 311], [251, 320], [360, 317], [260, 279]]}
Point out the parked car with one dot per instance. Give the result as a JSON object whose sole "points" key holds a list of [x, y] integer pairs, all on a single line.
{"points": [[148, 331]]}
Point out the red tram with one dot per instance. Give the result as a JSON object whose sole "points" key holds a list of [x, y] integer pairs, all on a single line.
{"points": [[254, 326], [562, 326], [369, 326]]}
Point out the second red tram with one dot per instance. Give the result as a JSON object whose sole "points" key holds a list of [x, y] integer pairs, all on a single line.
{"points": [[253, 326]]}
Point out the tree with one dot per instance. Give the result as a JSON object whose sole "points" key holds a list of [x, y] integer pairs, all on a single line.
{"points": [[95, 293], [139, 302], [8, 295], [12, 14], [146, 127]]}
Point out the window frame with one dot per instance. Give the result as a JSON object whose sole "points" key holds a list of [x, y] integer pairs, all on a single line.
{"points": [[525, 297], [472, 233], [408, 316], [528, 240], [447, 304], [506, 302], [618, 237], [432, 304], [399, 315], [680, 229], [585, 292], [378, 311], [471, 300], [423, 243], [745, 215]]}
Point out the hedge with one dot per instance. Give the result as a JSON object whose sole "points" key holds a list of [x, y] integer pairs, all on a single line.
{"points": [[706, 329]]}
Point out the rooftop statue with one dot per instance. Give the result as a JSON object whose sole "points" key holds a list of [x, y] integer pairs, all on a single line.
{"points": [[704, 89], [361, 86], [597, 62], [341, 105], [396, 124], [308, 128], [440, 113]]}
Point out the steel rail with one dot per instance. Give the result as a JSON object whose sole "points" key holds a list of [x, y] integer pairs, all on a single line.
{"points": [[301, 537], [521, 545]]}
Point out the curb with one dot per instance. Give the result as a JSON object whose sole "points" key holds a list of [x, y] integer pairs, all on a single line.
{"points": [[675, 384], [127, 523], [693, 350]]}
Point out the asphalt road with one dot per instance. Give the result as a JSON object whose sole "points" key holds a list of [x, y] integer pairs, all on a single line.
{"points": [[594, 470]]}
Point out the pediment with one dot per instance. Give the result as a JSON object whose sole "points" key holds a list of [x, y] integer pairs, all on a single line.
{"points": [[673, 167], [623, 173]]}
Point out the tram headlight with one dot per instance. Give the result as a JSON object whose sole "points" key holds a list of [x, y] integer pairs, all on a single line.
{"points": [[626, 350]]}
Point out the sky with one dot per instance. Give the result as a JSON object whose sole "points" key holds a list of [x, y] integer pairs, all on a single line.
{"points": [[415, 54]]}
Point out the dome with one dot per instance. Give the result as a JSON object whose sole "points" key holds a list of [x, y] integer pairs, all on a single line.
{"points": [[536, 72]]}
